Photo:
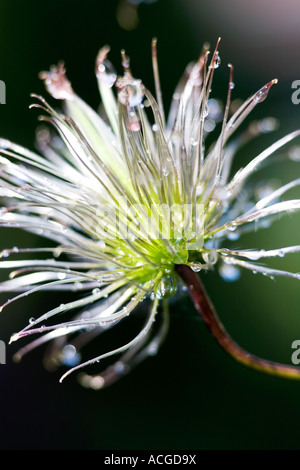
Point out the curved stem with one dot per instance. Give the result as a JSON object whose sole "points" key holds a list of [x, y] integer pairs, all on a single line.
{"points": [[206, 309]]}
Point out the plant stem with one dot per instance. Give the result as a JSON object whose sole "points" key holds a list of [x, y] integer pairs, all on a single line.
{"points": [[206, 309]]}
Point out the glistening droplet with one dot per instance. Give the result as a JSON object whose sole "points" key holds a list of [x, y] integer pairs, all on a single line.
{"points": [[217, 61], [107, 73], [261, 95], [130, 91], [231, 226]]}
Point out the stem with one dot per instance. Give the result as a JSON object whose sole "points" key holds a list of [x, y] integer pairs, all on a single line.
{"points": [[206, 309]]}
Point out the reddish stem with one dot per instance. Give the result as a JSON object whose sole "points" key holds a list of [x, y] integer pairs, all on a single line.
{"points": [[206, 309]]}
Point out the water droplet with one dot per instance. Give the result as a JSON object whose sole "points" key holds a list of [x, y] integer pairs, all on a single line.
{"points": [[229, 273], [107, 73], [262, 94], [231, 227], [281, 253], [61, 276], [231, 85], [211, 257], [155, 127], [217, 61], [196, 267], [130, 91], [4, 254], [96, 291], [31, 320]]}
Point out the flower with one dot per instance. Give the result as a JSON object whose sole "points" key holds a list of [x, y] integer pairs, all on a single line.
{"points": [[132, 205]]}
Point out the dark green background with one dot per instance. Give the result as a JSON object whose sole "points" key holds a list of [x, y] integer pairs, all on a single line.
{"points": [[191, 395]]}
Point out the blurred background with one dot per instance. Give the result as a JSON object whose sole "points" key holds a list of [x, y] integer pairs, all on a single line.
{"points": [[192, 395]]}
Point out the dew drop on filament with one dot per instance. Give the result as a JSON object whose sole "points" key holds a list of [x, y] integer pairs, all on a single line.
{"points": [[107, 73], [262, 94], [231, 226], [217, 61], [130, 91], [196, 267], [211, 257]]}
